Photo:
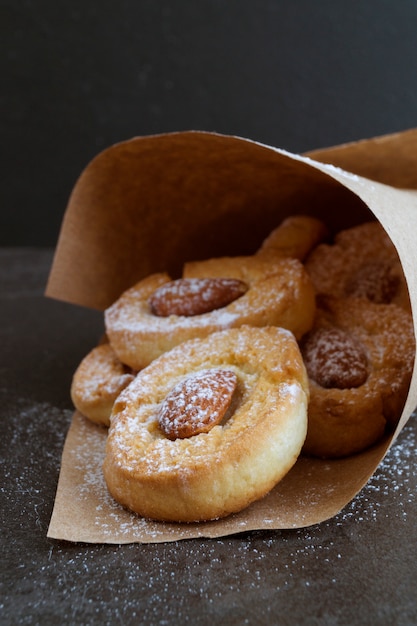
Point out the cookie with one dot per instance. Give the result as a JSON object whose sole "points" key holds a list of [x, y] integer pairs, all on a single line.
{"points": [[210, 426], [97, 382], [359, 358], [158, 313], [362, 262]]}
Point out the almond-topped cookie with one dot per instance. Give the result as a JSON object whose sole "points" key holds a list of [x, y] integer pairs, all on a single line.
{"points": [[359, 358], [295, 237], [97, 382], [158, 313], [362, 262], [210, 426]]}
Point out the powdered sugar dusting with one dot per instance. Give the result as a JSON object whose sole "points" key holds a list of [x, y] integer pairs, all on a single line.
{"points": [[266, 301], [335, 359], [197, 403], [389, 492], [195, 296], [393, 476], [108, 521], [362, 261], [99, 376]]}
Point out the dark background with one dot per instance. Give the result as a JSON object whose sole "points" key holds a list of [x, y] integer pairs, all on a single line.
{"points": [[75, 78], [78, 76]]}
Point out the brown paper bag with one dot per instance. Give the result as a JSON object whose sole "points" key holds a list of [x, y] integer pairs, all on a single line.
{"points": [[152, 203]]}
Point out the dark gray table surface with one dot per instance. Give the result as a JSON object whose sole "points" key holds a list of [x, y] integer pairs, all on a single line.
{"points": [[358, 568]]}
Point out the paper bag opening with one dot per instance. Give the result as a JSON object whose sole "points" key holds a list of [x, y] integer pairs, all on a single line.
{"points": [[150, 204]]}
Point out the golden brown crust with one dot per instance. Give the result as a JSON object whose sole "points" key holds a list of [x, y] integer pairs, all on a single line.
{"points": [[249, 269], [280, 294], [342, 421], [295, 237], [362, 262], [97, 382], [211, 474]]}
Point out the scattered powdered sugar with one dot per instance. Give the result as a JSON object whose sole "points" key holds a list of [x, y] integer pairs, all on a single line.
{"points": [[276, 293], [99, 377], [141, 320], [291, 391], [358, 256], [109, 520], [390, 491], [195, 296], [376, 281], [334, 358], [197, 403], [136, 440], [395, 476]]}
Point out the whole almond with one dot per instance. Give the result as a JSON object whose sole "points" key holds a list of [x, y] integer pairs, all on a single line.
{"points": [[197, 403], [335, 359], [195, 296], [375, 281]]}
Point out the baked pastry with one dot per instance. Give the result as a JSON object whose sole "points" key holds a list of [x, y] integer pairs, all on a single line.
{"points": [[158, 313], [97, 382], [165, 458], [295, 237], [359, 358], [361, 262]]}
